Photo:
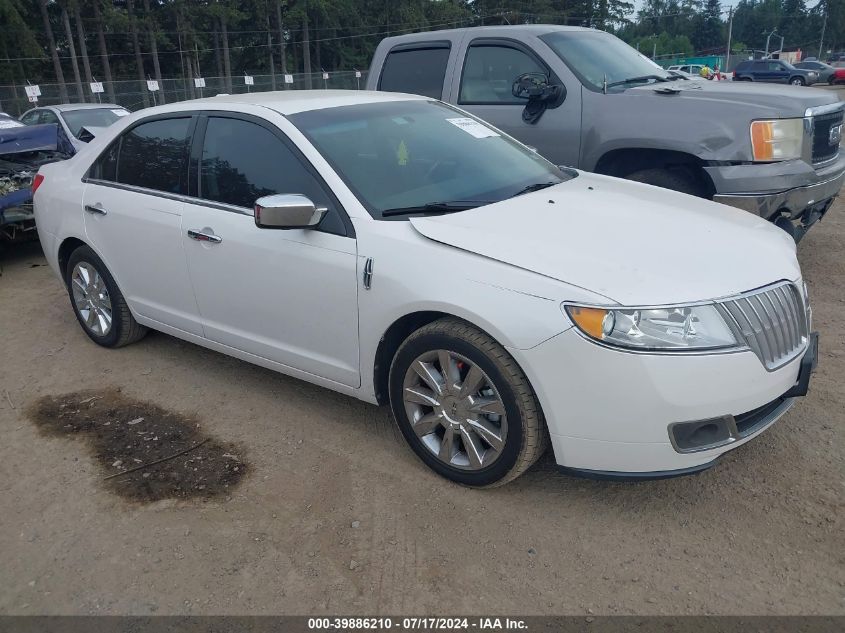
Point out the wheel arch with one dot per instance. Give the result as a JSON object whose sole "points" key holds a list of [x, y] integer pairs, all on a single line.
{"points": [[67, 247], [622, 162], [400, 330]]}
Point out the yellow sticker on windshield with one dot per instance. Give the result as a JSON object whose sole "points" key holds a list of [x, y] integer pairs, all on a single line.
{"points": [[402, 153]]}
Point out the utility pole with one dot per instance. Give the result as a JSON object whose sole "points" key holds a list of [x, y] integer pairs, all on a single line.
{"points": [[730, 32], [768, 39], [824, 24]]}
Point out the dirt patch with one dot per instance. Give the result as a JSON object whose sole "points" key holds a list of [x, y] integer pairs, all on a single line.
{"points": [[147, 453]]}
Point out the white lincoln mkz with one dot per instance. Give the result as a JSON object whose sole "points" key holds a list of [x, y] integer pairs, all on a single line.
{"points": [[399, 250]]}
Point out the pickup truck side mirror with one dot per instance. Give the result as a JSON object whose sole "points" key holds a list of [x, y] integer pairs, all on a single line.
{"points": [[287, 211], [536, 87], [540, 93]]}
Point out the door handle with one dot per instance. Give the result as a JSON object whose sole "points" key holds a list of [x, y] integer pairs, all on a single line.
{"points": [[204, 237], [97, 210]]}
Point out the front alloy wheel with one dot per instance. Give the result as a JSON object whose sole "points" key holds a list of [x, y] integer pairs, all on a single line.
{"points": [[455, 410], [464, 405]]}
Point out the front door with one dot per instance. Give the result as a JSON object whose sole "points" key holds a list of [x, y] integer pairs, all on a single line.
{"points": [[289, 296], [133, 218], [490, 67]]}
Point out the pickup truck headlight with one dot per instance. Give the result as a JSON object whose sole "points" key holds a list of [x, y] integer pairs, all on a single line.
{"points": [[670, 328], [778, 139]]}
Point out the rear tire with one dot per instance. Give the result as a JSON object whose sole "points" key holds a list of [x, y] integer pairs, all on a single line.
{"points": [[98, 303], [478, 423], [680, 179]]}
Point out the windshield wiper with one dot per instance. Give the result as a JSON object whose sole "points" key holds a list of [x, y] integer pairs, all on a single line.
{"points": [[535, 187], [437, 207], [636, 80]]}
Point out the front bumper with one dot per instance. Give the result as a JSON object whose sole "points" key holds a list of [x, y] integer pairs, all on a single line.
{"points": [[790, 191], [610, 412]]}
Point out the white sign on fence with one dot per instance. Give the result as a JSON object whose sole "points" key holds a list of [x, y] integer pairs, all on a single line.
{"points": [[357, 74], [325, 75], [32, 99], [33, 91], [152, 85], [288, 79], [199, 82], [96, 86], [248, 80]]}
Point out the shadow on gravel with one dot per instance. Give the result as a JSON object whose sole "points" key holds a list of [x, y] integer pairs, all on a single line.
{"points": [[146, 452]]}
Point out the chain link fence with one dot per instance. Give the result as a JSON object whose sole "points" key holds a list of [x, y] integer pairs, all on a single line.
{"points": [[133, 94]]}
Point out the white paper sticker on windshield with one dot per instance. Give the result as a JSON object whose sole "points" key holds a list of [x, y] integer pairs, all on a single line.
{"points": [[471, 126], [120, 112]]}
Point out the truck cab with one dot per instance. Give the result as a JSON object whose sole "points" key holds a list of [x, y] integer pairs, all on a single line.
{"points": [[585, 99]]}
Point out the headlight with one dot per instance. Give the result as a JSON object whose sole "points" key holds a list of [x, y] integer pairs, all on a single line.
{"points": [[779, 139], [663, 329]]}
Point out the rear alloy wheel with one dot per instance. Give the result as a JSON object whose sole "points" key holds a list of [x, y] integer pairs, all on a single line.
{"points": [[797, 81], [97, 301], [464, 405]]}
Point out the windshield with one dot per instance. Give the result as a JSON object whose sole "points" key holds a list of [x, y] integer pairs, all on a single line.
{"points": [[401, 155], [592, 55], [94, 117]]}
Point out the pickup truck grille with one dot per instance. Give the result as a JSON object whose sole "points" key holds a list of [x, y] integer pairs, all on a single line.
{"points": [[771, 321], [823, 132]]}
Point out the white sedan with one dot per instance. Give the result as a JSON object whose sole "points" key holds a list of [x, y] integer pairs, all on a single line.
{"points": [[398, 250]]}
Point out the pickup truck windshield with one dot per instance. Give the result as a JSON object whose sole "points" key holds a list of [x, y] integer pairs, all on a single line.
{"points": [[592, 56], [419, 157]]}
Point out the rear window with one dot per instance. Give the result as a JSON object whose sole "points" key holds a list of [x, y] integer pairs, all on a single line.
{"points": [[418, 71]]}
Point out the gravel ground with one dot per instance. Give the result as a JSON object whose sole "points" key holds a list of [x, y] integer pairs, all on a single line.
{"points": [[337, 516]]}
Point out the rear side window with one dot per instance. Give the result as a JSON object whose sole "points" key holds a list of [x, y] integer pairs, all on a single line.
{"points": [[154, 155], [418, 71]]}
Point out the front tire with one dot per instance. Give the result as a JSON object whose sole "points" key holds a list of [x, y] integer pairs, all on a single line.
{"points": [[464, 406], [98, 303], [797, 81]]}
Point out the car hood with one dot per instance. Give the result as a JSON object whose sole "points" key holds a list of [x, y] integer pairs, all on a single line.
{"points": [[633, 243], [766, 99]]}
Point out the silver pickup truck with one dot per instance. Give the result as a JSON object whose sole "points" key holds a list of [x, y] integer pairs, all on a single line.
{"points": [[584, 98]]}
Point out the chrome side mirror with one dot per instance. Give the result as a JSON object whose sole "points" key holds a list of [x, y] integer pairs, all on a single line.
{"points": [[287, 211]]}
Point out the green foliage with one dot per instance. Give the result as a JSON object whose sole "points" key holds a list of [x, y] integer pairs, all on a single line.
{"points": [[342, 34]]}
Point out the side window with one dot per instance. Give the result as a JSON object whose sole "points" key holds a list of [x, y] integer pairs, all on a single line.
{"points": [[489, 72], [417, 71], [31, 117], [154, 155], [776, 66], [243, 161], [48, 116], [106, 166]]}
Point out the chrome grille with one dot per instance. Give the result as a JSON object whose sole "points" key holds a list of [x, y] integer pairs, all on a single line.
{"points": [[772, 321], [825, 138]]}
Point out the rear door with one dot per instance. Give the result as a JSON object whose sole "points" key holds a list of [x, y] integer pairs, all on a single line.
{"points": [[133, 215], [488, 69]]}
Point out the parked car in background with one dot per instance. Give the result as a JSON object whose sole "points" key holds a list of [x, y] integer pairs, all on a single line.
{"points": [[584, 98], [836, 57], [825, 71], [689, 69], [399, 250], [74, 117], [23, 149], [684, 75], [774, 71], [838, 73]]}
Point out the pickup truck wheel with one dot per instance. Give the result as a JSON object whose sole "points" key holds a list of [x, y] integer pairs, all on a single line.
{"points": [[98, 303], [797, 81], [464, 406], [675, 179]]}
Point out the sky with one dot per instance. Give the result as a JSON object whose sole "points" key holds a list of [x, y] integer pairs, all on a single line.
{"points": [[726, 4]]}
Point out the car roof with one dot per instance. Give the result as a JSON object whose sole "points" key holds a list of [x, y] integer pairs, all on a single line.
{"points": [[64, 107], [293, 101]]}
